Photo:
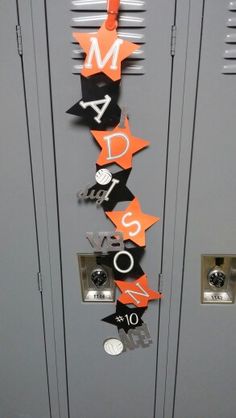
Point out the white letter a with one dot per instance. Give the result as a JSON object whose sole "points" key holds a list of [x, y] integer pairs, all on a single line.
{"points": [[94, 104]]}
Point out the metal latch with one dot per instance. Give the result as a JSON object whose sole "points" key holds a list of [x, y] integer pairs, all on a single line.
{"points": [[173, 40], [19, 40]]}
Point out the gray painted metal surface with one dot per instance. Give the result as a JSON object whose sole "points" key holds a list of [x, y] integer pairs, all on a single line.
{"points": [[195, 358], [188, 14], [101, 5], [95, 20], [33, 30], [23, 383], [98, 384]]}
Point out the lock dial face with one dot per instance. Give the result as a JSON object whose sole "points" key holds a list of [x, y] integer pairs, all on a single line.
{"points": [[216, 278], [99, 277]]}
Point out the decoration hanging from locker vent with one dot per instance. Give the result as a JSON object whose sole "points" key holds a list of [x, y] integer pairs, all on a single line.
{"points": [[105, 51]]}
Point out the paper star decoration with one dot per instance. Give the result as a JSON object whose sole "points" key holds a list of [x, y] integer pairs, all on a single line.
{"points": [[118, 146], [133, 222], [137, 292], [125, 317], [124, 262], [98, 105], [120, 193], [104, 52]]}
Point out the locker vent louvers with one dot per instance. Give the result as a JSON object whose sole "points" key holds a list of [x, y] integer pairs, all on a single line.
{"points": [[88, 15], [229, 66]]}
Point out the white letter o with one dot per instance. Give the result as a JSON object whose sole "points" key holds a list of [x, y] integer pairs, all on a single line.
{"points": [[131, 262]]}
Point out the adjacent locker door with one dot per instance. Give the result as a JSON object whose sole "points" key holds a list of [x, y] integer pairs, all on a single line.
{"points": [[206, 372], [23, 383], [100, 385]]}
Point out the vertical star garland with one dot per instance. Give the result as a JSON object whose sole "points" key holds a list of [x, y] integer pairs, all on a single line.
{"points": [[98, 107]]}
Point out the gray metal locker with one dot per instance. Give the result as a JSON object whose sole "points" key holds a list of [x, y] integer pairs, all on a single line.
{"points": [[200, 372], [23, 383], [205, 374], [185, 81], [97, 384]]}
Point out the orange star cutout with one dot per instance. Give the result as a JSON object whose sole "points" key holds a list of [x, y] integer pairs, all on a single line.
{"points": [[137, 292], [132, 222], [104, 52], [118, 146]]}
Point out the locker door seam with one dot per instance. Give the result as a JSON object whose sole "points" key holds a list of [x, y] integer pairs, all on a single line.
{"points": [[34, 208], [57, 203], [188, 200], [172, 56]]}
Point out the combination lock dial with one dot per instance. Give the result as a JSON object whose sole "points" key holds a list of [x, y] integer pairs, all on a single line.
{"points": [[216, 277], [99, 277]]}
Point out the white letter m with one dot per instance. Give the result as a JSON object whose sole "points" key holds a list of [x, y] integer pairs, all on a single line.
{"points": [[111, 53]]}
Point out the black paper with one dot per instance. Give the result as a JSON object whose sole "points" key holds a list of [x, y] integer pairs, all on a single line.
{"points": [[125, 317], [91, 91], [120, 193], [123, 263]]}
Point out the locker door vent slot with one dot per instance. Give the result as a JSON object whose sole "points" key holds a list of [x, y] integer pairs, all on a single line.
{"points": [[88, 15], [229, 66]]}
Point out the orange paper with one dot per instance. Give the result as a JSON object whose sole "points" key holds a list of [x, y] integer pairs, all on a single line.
{"points": [[118, 146], [133, 222], [137, 292], [104, 52]]}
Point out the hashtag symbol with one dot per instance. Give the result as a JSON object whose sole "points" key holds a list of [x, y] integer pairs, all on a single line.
{"points": [[119, 318]]}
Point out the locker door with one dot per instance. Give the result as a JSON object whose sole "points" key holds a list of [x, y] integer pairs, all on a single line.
{"points": [[100, 385], [23, 383], [206, 369]]}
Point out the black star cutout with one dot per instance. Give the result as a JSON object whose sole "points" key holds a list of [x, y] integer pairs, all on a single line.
{"points": [[125, 317], [123, 263], [92, 92], [120, 192]]}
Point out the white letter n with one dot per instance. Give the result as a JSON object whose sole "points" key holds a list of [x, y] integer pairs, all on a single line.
{"points": [[131, 293]]}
